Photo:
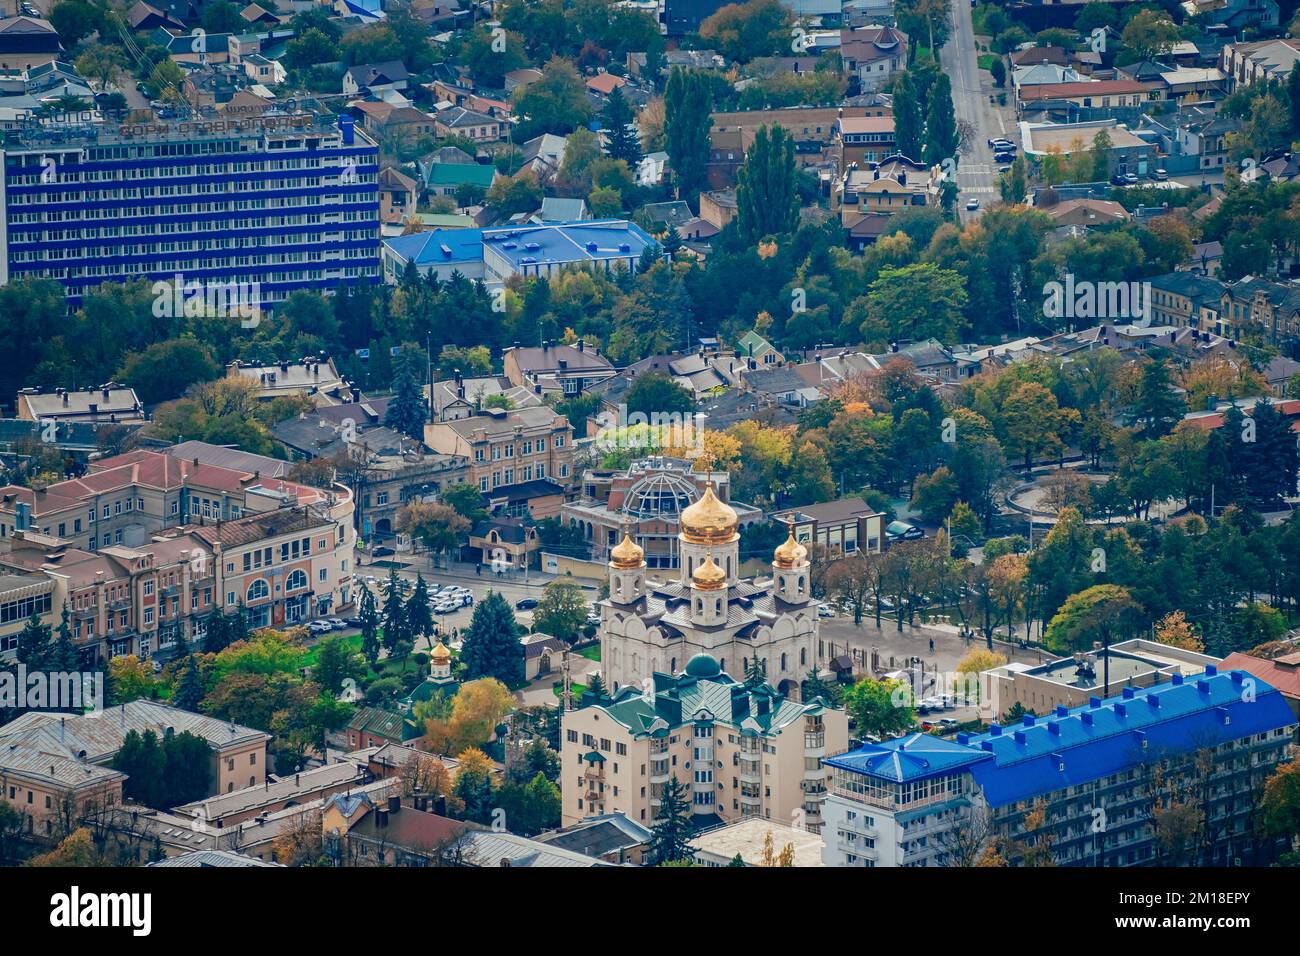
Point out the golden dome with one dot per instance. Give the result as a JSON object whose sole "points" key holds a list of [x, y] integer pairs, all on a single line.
{"points": [[440, 655], [709, 520], [627, 554], [790, 553], [708, 576]]}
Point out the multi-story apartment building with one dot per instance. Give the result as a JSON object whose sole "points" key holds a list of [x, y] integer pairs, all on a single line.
{"points": [[124, 499], [1082, 786], [741, 749], [263, 204], [284, 566], [120, 600], [507, 446]]}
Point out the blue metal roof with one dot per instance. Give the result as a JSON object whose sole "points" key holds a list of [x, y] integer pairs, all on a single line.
{"points": [[905, 759], [1079, 745], [565, 242], [439, 246]]}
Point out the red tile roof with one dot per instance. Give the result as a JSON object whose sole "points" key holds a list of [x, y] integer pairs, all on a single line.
{"points": [[1282, 672]]}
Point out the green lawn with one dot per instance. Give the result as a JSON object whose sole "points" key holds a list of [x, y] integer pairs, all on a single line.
{"points": [[591, 653], [558, 689], [352, 643], [985, 61]]}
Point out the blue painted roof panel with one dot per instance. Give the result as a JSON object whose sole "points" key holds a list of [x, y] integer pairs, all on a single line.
{"points": [[426, 248]]}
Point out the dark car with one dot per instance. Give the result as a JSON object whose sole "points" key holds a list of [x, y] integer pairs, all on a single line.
{"points": [[902, 531], [1004, 157], [525, 604], [383, 552], [352, 621]]}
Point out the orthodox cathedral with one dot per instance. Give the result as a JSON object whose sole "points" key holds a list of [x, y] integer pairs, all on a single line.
{"points": [[651, 626]]}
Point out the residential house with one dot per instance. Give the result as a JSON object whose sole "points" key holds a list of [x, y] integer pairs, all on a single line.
{"points": [[568, 369], [843, 527], [109, 403], [871, 55], [479, 127], [94, 739], [506, 446]]}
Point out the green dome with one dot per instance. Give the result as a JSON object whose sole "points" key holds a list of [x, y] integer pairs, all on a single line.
{"points": [[703, 665]]}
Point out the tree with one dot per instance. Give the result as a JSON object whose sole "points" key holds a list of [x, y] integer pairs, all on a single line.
{"points": [[767, 203], [418, 615], [1281, 802], [370, 645], [439, 526], [561, 611], [396, 631], [1158, 408], [466, 500], [1012, 185], [743, 32], [998, 70], [1103, 611], [656, 393], [909, 123], [190, 690], [1175, 630], [492, 647], [1100, 156], [672, 832], [941, 139], [476, 710], [919, 301], [555, 103], [688, 107], [1149, 34], [406, 410], [1033, 421], [473, 788], [35, 644], [882, 708], [335, 665], [622, 139]]}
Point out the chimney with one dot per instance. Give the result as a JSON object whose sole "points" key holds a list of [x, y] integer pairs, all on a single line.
{"points": [[394, 804], [381, 817]]}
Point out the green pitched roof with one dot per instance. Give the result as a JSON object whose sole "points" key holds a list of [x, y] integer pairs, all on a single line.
{"points": [[456, 174]]}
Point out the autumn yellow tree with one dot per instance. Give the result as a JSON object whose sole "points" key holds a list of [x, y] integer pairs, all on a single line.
{"points": [[475, 712], [772, 858], [1175, 630]]}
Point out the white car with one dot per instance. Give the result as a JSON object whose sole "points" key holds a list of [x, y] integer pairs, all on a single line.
{"points": [[825, 610], [318, 627], [337, 623], [972, 204], [446, 607]]}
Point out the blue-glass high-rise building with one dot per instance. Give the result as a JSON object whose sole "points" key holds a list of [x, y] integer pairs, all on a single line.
{"points": [[277, 202]]}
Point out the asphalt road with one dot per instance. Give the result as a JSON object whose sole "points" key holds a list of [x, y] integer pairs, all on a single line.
{"points": [[976, 173]]}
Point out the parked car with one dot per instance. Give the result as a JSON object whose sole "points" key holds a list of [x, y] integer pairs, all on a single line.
{"points": [[825, 610], [1159, 175], [446, 607], [902, 531], [337, 623], [1004, 158], [352, 621], [972, 204], [1000, 142], [318, 627], [948, 723], [525, 604]]}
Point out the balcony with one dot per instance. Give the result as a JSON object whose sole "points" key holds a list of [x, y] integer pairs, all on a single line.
{"points": [[814, 745], [594, 773]]}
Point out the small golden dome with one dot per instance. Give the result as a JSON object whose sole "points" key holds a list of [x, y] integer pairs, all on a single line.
{"points": [[790, 553], [440, 655], [708, 576], [627, 554], [709, 520]]}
